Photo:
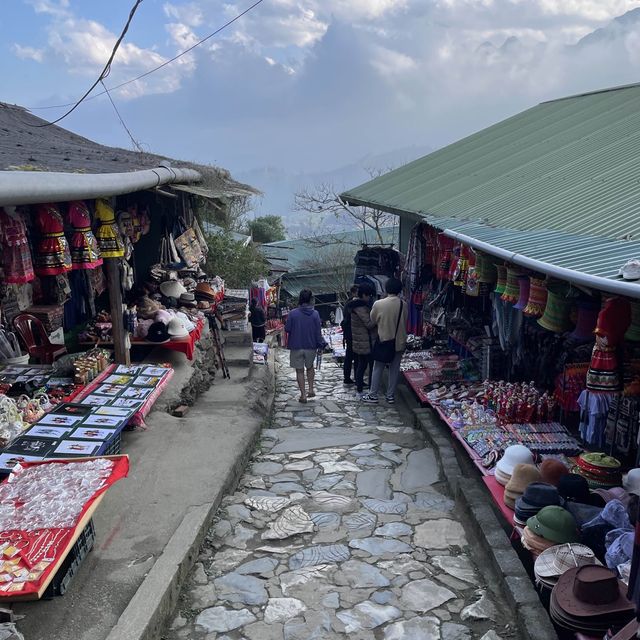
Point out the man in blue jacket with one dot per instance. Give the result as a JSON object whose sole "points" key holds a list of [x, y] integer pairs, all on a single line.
{"points": [[305, 340]]}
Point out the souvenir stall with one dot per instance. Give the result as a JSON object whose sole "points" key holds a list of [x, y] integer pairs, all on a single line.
{"points": [[539, 383]]}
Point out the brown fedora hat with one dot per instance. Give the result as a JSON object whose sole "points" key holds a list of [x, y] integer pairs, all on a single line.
{"points": [[590, 591]]}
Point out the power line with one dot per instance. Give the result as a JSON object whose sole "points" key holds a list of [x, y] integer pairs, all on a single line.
{"points": [[104, 73], [134, 142], [160, 66]]}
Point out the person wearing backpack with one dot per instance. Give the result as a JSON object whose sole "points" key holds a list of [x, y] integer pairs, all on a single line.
{"points": [[347, 338], [390, 318]]}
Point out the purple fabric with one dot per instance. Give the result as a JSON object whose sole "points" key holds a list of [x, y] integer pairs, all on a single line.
{"points": [[304, 329]]}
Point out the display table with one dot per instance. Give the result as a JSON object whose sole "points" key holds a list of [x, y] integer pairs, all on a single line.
{"points": [[30, 550], [185, 345]]}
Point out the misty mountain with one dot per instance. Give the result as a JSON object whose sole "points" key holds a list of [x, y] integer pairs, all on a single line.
{"points": [[279, 186], [614, 32]]}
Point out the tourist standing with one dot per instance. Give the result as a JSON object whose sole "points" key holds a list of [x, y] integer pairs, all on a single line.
{"points": [[390, 317], [304, 339], [258, 321], [349, 360], [362, 331]]}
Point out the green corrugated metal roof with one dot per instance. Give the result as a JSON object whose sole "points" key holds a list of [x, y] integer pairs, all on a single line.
{"points": [[568, 165], [338, 281], [341, 247]]}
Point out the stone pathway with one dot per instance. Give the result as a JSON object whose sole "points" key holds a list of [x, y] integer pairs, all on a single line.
{"points": [[337, 530]]}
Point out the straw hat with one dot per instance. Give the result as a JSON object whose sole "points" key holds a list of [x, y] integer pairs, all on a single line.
{"points": [[537, 297], [556, 560]]}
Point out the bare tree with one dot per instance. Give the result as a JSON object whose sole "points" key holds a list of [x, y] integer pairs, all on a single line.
{"points": [[334, 264], [323, 199]]}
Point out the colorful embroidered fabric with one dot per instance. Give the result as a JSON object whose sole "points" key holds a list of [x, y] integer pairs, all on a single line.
{"points": [[52, 253], [16, 254], [85, 253], [108, 235]]}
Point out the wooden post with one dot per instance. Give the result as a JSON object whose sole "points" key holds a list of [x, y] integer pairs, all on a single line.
{"points": [[118, 330]]}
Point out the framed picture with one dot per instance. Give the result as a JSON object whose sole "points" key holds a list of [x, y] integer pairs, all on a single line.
{"points": [[127, 402], [130, 370], [59, 420], [72, 409], [45, 431], [138, 393], [94, 400], [31, 446], [155, 371], [146, 381], [119, 412], [10, 460], [85, 433], [59, 382], [103, 421], [119, 379], [109, 390], [77, 447]]}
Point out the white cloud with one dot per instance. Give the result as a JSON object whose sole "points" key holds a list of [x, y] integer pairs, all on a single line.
{"points": [[189, 13], [52, 7], [28, 53]]}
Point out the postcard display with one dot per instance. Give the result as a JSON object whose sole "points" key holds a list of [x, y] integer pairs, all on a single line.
{"points": [[91, 426], [44, 508]]}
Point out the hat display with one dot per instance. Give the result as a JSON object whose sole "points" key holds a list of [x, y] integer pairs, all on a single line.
{"points": [[599, 470], [163, 316], [204, 291], [523, 475], [176, 329], [158, 333], [551, 470], [630, 270], [631, 481], [558, 309], [537, 297], [556, 560], [587, 317], [516, 453], [147, 308], [614, 320], [536, 496], [633, 332], [525, 285], [187, 300], [590, 599], [203, 304], [485, 269], [574, 487], [534, 543], [512, 288], [501, 279], [615, 493], [501, 477], [554, 523], [172, 289]]}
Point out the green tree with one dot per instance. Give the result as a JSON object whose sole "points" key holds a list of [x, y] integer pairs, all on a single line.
{"points": [[238, 265], [267, 229]]}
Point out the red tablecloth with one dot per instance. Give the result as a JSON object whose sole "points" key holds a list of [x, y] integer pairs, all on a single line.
{"points": [[185, 345]]}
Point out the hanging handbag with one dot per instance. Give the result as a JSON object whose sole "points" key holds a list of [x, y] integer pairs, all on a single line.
{"points": [[385, 350]]}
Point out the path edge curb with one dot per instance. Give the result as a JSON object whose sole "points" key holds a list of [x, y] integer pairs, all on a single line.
{"points": [[532, 621], [156, 598]]}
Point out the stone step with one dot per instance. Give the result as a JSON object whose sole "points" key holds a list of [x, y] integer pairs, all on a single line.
{"points": [[238, 355], [237, 338]]}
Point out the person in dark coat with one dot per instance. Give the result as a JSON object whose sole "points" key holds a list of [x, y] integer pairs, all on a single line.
{"points": [[362, 332], [349, 360], [258, 321]]}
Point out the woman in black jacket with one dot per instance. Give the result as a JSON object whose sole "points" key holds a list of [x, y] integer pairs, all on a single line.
{"points": [[258, 321], [362, 332]]}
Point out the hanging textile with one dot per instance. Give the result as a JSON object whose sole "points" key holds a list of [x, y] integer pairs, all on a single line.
{"points": [[16, 254], [52, 252], [107, 234], [85, 253]]}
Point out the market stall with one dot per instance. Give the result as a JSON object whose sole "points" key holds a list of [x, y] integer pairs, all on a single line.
{"points": [[539, 384]]}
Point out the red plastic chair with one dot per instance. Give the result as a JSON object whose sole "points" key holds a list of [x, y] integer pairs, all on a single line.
{"points": [[36, 340]]}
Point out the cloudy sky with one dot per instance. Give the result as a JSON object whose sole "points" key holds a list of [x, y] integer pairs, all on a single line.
{"points": [[311, 84]]}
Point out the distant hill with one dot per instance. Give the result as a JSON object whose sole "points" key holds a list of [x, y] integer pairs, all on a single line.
{"points": [[279, 186]]}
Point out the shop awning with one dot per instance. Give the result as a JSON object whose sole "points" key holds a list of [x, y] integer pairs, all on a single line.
{"points": [[570, 165], [231, 190], [588, 261]]}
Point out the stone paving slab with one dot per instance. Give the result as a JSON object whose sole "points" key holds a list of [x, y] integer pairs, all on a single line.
{"points": [[338, 530]]}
